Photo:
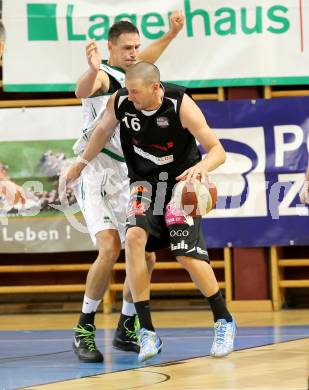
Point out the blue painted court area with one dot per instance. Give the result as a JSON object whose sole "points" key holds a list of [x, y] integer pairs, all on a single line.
{"points": [[29, 358]]}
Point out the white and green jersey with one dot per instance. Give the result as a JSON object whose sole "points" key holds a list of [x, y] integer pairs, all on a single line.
{"points": [[93, 109]]}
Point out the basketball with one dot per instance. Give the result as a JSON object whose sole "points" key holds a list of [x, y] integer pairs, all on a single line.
{"points": [[195, 199]]}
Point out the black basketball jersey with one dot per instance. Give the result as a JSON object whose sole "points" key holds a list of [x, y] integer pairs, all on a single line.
{"points": [[155, 141]]}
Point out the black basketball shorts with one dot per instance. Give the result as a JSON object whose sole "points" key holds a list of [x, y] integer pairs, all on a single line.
{"points": [[167, 226]]}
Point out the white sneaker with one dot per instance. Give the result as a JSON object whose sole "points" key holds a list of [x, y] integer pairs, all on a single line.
{"points": [[223, 343], [150, 344]]}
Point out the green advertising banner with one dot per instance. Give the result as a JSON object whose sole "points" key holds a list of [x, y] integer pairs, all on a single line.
{"points": [[223, 43], [35, 145]]}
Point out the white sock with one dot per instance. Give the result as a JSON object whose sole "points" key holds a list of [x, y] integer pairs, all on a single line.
{"points": [[128, 309], [90, 305]]}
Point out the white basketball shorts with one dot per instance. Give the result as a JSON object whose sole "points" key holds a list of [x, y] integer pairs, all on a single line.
{"points": [[102, 192]]}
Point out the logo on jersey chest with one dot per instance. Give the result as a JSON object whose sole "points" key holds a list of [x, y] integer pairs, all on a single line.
{"points": [[162, 121]]}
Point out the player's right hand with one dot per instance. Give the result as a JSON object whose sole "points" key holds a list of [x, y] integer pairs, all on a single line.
{"points": [[93, 55], [198, 171], [304, 193], [73, 172]]}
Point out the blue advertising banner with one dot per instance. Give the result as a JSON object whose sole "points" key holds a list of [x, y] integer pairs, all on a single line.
{"points": [[267, 143]]}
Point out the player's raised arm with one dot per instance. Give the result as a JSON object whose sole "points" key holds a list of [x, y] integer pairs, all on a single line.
{"points": [[93, 80], [193, 119], [154, 50], [101, 134]]}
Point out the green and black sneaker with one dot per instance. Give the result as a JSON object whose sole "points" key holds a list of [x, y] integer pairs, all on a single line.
{"points": [[125, 336], [84, 345]]}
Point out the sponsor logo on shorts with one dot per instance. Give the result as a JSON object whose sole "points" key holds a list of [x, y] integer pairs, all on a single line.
{"points": [[197, 249], [162, 121], [180, 245], [201, 251], [179, 233]]}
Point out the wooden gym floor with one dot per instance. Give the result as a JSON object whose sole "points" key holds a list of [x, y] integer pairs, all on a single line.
{"points": [[272, 352]]}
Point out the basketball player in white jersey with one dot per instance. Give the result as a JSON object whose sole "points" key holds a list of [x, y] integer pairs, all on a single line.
{"points": [[103, 189]]}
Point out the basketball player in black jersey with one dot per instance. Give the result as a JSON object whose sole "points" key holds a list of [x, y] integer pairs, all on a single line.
{"points": [[158, 128], [104, 210]]}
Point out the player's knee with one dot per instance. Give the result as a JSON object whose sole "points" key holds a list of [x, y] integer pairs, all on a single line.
{"points": [[135, 237], [110, 248]]}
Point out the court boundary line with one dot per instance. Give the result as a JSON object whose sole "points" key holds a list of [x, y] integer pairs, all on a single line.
{"points": [[160, 364]]}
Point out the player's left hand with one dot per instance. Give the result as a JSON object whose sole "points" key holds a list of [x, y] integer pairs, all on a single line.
{"points": [[177, 20], [304, 193], [198, 171]]}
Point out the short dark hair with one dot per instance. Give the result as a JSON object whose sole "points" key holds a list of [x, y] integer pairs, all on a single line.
{"points": [[122, 27], [2, 31]]}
